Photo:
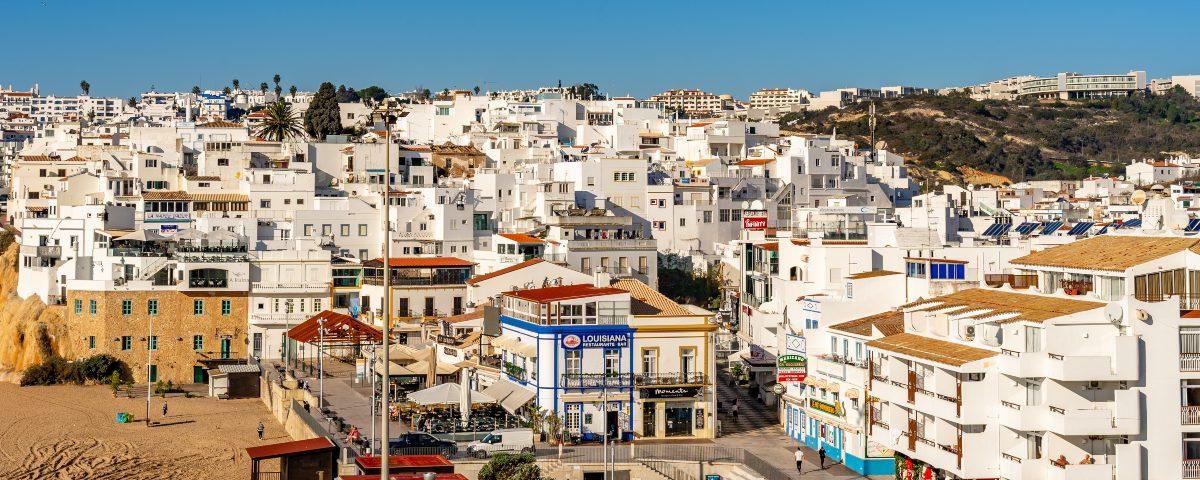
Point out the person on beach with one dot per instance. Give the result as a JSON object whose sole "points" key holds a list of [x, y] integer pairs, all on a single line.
{"points": [[164, 409], [261, 429]]}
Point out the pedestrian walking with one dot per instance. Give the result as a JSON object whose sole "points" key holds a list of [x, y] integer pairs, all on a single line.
{"points": [[735, 409], [262, 428], [799, 460], [164, 409], [821, 453]]}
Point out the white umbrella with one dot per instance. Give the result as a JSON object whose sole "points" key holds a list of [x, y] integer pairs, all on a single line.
{"points": [[190, 234], [142, 236], [446, 393]]}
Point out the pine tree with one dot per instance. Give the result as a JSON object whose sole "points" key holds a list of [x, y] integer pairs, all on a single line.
{"points": [[323, 116]]}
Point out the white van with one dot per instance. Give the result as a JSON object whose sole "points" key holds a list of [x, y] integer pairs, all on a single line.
{"points": [[508, 440]]}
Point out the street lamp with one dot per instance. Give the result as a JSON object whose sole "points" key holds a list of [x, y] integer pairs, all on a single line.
{"points": [[321, 363], [150, 343]]}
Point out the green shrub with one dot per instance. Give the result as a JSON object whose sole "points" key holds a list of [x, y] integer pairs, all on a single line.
{"points": [[99, 367]]}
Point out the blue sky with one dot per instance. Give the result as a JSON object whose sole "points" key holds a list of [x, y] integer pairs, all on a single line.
{"points": [[639, 48]]}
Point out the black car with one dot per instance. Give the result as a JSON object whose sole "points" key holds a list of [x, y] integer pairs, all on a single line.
{"points": [[420, 443]]}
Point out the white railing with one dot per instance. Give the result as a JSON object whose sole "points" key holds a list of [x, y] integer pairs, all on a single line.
{"points": [[1191, 415], [1189, 362], [1191, 469]]}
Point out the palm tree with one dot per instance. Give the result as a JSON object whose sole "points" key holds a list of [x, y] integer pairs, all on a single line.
{"points": [[195, 90], [236, 84], [281, 124], [263, 86], [276, 79], [292, 91], [278, 92], [85, 86], [227, 91]]}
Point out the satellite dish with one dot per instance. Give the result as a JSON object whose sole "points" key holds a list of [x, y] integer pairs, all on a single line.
{"points": [[1138, 197], [1114, 313]]}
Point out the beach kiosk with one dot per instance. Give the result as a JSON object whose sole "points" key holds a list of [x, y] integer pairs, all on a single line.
{"points": [[312, 459]]}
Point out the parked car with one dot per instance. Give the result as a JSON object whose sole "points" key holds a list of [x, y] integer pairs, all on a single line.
{"points": [[508, 440], [421, 443]]}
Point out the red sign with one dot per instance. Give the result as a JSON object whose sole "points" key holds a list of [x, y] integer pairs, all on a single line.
{"points": [[792, 376], [754, 223]]}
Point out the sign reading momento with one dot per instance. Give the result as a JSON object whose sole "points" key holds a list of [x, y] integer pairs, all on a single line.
{"points": [[671, 392]]}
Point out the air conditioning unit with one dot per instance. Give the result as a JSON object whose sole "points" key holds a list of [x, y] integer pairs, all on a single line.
{"points": [[1092, 385]]}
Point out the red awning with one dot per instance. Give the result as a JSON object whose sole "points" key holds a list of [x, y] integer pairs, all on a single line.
{"points": [[284, 449], [340, 329]]}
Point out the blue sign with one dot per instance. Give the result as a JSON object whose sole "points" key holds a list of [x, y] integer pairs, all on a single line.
{"points": [[596, 340]]}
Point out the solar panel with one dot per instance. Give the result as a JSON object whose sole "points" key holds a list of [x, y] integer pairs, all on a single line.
{"points": [[1051, 227], [1080, 228], [1192, 225], [1002, 230], [991, 230], [1103, 230], [1137, 222], [1026, 227]]}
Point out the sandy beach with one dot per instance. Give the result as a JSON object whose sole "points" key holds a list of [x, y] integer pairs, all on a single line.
{"points": [[69, 432]]}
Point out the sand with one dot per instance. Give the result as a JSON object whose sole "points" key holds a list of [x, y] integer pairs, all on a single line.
{"points": [[69, 432]]}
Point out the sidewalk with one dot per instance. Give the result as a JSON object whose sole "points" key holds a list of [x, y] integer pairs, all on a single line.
{"points": [[757, 429]]}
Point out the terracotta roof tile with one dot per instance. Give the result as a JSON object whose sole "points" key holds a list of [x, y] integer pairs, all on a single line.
{"points": [[889, 323], [175, 195], [1029, 307], [564, 292], [932, 349], [511, 268], [522, 238], [422, 262], [638, 290], [1110, 253], [872, 274]]}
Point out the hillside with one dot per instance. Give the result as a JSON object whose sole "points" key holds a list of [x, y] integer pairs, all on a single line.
{"points": [[952, 136]]}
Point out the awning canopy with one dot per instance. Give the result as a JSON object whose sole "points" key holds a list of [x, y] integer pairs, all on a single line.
{"points": [[404, 352], [142, 236], [332, 328], [526, 349], [510, 395], [504, 341], [446, 393]]}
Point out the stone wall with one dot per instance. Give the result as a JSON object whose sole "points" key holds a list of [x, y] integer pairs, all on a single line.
{"points": [[176, 327]]}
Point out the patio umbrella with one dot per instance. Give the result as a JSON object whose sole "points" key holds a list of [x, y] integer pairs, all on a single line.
{"points": [[446, 393], [143, 236], [190, 234], [223, 238]]}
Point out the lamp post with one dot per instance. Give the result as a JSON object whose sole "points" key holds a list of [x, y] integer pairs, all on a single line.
{"points": [[320, 363], [150, 343], [287, 319], [384, 210]]}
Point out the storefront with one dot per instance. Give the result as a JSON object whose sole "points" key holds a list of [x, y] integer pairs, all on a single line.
{"points": [[589, 421], [673, 412]]}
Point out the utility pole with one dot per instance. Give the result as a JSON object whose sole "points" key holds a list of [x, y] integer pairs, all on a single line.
{"points": [[321, 363], [150, 344], [384, 209]]}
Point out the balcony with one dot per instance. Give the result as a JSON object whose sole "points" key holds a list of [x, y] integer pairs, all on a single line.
{"points": [[290, 287], [613, 244], [1076, 287], [997, 280], [1187, 301], [42, 251], [1190, 415], [595, 380], [208, 283], [516, 371], [1191, 468], [1189, 362], [669, 379], [1120, 363]]}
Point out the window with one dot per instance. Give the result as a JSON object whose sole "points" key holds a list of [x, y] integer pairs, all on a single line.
{"points": [[127, 307], [708, 216], [1033, 392], [946, 271], [317, 305], [345, 230], [198, 307], [643, 265], [197, 342], [227, 307], [92, 307], [574, 362], [650, 361], [736, 215], [126, 342], [264, 204], [683, 222], [91, 341], [362, 229], [222, 162], [723, 215], [327, 230], [572, 420], [78, 306], [612, 361], [153, 342], [152, 307], [1033, 339], [916, 269]]}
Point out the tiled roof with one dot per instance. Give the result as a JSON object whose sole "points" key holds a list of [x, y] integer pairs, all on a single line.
{"points": [[565, 292], [753, 162], [1029, 307], [450, 148], [512, 268], [220, 197], [640, 291], [872, 274], [769, 246], [211, 178], [175, 195], [1110, 253], [422, 262], [932, 349], [219, 124], [890, 322], [522, 238]]}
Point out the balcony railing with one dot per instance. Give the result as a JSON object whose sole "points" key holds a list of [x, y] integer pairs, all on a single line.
{"points": [[208, 283], [1191, 415], [666, 379], [595, 380], [515, 371], [1011, 458], [1187, 301], [1011, 405], [996, 280], [1191, 468], [1189, 362], [880, 423]]}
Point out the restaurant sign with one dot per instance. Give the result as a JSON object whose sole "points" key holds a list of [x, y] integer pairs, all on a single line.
{"points": [[671, 392], [791, 368], [596, 340], [834, 409]]}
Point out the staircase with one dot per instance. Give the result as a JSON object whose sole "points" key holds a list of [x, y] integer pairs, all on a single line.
{"points": [[153, 268]]}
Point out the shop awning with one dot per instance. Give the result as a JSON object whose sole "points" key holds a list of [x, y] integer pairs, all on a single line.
{"points": [[504, 341], [446, 393], [405, 352], [526, 349], [851, 393], [422, 368], [834, 387], [510, 395]]}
